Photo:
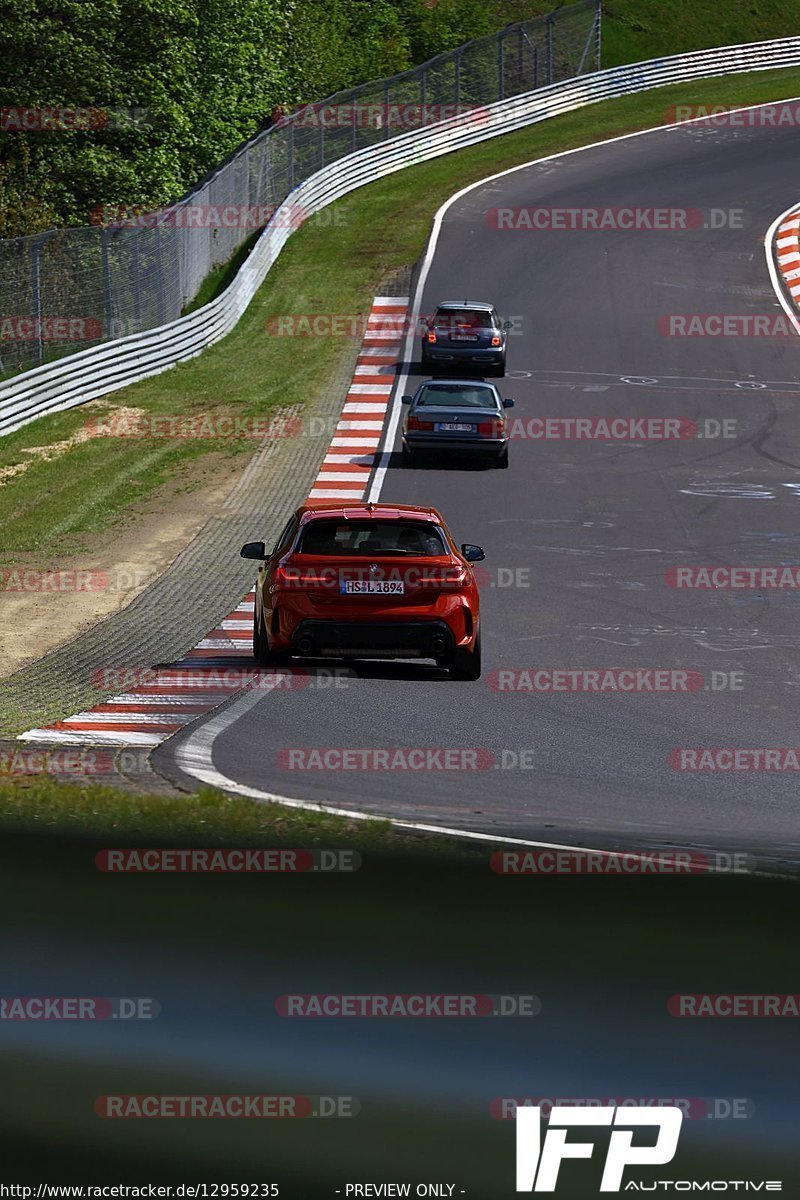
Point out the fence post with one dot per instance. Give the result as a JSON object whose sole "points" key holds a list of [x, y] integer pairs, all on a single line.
{"points": [[458, 78], [501, 67], [36, 280], [107, 304], [290, 154], [549, 47], [159, 276], [598, 22], [535, 66], [135, 277], [264, 189], [386, 110], [423, 95]]}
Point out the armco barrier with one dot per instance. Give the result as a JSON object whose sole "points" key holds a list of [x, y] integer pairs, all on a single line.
{"points": [[91, 373]]}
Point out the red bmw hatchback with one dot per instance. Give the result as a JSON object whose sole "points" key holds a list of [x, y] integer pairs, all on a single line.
{"points": [[367, 581]]}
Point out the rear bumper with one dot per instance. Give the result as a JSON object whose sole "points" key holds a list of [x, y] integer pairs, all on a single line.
{"points": [[467, 354], [380, 639], [470, 445]]}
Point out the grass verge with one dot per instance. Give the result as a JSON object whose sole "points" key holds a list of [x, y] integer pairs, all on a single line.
{"points": [[207, 818]]}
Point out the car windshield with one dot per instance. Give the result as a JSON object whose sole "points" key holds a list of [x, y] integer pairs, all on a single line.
{"points": [[462, 320], [455, 395], [371, 538]]}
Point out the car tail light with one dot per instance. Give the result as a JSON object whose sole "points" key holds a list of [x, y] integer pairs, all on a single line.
{"points": [[292, 578], [416, 423], [444, 577], [431, 336], [493, 429], [497, 341]]}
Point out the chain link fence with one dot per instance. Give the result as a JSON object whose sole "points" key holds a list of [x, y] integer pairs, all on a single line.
{"points": [[69, 289]]}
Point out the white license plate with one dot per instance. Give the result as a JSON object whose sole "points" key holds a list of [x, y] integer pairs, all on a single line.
{"points": [[455, 427], [373, 587], [464, 337]]}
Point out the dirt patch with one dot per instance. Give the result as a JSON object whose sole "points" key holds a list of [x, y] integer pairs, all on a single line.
{"points": [[56, 449], [41, 609]]}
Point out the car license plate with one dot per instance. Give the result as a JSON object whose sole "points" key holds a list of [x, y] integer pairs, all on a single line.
{"points": [[464, 337], [455, 427], [373, 587]]}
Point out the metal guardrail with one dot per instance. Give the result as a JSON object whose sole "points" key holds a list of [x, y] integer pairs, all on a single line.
{"points": [[92, 373]]}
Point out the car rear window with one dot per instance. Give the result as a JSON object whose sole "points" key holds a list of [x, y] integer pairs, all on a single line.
{"points": [[370, 538], [455, 319], [455, 395]]}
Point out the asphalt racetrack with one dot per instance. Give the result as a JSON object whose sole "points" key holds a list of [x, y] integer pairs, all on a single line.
{"points": [[580, 535]]}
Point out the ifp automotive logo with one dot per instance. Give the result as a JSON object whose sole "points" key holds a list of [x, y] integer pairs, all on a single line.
{"points": [[538, 1161]]}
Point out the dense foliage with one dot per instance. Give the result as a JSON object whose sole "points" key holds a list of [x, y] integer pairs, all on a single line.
{"points": [[166, 88]]}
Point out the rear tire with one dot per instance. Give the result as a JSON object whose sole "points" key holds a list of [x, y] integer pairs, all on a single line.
{"points": [[406, 457], [466, 664], [264, 656], [260, 647], [502, 459]]}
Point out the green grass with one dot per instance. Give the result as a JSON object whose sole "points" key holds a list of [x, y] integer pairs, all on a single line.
{"points": [[331, 265], [634, 30], [218, 279], [208, 818]]}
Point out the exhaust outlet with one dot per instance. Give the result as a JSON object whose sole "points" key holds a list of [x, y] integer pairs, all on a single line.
{"points": [[305, 644]]}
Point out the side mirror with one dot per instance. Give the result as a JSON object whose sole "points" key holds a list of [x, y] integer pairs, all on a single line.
{"points": [[508, 324], [472, 553], [406, 399], [508, 403], [254, 550]]}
